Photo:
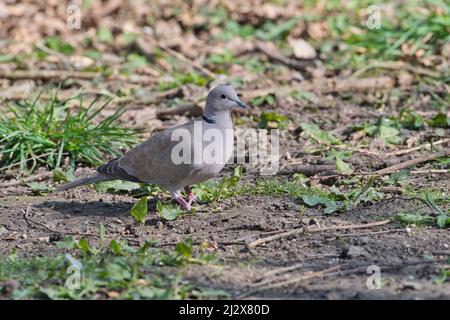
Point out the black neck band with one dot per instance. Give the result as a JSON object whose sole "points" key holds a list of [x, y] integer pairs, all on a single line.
{"points": [[208, 120]]}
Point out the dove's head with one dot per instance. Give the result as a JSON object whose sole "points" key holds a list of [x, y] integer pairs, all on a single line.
{"points": [[223, 98]]}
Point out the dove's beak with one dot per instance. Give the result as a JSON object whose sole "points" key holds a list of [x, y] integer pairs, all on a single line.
{"points": [[239, 103]]}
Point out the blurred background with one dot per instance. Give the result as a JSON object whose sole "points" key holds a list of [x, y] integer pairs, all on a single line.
{"points": [[292, 61]]}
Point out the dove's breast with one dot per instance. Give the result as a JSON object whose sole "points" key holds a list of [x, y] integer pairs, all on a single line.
{"points": [[211, 154], [156, 160]]}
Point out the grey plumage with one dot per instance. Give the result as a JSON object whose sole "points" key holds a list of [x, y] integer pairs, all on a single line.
{"points": [[152, 161], [83, 181]]}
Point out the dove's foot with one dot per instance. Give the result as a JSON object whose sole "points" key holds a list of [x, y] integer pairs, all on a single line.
{"points": [[191, 198], [185, 205]]}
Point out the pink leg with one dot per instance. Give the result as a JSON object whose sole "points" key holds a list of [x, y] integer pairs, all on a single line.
{"points": [[192, 198], [185, 205]]}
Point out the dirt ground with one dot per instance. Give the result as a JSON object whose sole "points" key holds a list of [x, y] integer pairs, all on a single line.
{"points": [[409, 259]]}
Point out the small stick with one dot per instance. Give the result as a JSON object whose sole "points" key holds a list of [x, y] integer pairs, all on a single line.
{"points": [[430, 171], [35, 177], [278, 57], [194, 64], [427, 145], [306, 276], [47, 74], [222, 243], [350, 148], [366, 233], [412, 162], [307, 170], [326, 85], [276, 272], [395, 66], [289, 233]]}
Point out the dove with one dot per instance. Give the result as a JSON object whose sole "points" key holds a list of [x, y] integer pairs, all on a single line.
{"points": [[180, 156]]}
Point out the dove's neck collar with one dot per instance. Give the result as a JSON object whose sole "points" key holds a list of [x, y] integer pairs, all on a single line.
{"points": [[209, 120]]}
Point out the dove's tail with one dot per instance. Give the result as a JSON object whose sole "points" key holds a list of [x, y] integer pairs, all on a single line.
{"points": [[83, 181]]}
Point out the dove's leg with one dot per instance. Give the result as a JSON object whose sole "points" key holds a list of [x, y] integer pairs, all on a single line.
{"points": [[177, 196], [191, 195]]}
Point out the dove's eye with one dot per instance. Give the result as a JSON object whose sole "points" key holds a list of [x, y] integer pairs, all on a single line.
{"points": [[223, 96]]}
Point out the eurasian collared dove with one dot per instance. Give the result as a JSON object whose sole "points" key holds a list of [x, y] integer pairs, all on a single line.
{"points": [[157, 160]]}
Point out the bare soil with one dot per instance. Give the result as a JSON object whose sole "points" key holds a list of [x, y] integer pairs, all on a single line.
{"points": [[409, 259]]}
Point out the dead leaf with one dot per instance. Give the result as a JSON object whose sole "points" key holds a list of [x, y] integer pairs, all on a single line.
{"points": [[302, 49]]}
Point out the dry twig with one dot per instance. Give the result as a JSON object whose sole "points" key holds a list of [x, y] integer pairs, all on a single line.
{"points": [[412, 162], [313, 229]]}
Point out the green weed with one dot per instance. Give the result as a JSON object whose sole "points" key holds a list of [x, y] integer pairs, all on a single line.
{"points": [[33, 132], [115, 271]]}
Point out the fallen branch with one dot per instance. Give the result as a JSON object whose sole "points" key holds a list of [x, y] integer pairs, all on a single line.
{"points": [[353, 149], [306, 276], [274, 55], [364, 234], [430, 171], [307, 170], [35, 177], [47, 74], [326, 85], [397, 65], [313, 229], [146, 45], [427, 145], [411, 163], [275, 272], [337, 271]]}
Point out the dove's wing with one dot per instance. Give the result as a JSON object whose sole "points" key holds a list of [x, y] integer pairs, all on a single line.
{"points": [[151, 161]]}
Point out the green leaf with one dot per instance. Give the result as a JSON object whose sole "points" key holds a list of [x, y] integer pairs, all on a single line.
{"points": [[104, 35], [134, 61], [409, 218], [410, 119], [303, 95], [117, 272], [67, 243], [273, 120], [116, 247], [6, 58], [39, 188], [184, 249], [130, 37], [271, 31], [93, 54], [84, 245], [389, 135], [397, 177], [101, 233], [311, 130], [116, 186], [414, 218], [443, 221], [314, 200], [213, 191], [439, 120], [168, 212], [60, 176], [139, 210], [343, 167], [55, 43]]}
